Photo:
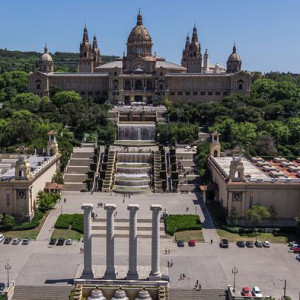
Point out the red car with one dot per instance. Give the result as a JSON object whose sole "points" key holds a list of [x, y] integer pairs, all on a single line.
{"points": [[192, 243], [296, 250], [246, 291]]}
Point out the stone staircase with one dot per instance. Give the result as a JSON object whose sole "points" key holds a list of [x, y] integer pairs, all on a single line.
{"points": [[204, 294], [156, 175], [77, 168], [44, 292], [109, 174], [144, 228]]}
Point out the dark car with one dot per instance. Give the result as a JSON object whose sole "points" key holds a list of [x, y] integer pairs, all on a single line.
{"points": [[224, 243], [250, 244], [53, 241], [240, 244], [7, 240], [60, 242], [180, 243], [258, 244]]}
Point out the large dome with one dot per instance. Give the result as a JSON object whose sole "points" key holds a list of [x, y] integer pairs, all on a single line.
{"points": [[46, 56], [139, 41], [234, 57]]}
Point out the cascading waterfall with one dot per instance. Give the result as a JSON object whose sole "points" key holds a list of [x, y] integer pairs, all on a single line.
{"points": [[133, 172], [136, 132]]}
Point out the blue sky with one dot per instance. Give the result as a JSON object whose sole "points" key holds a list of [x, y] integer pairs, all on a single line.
{"points": [[266, 32]]}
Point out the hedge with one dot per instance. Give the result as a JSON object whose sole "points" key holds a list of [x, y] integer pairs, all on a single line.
{"points": [[182, 223], [73, 221]]}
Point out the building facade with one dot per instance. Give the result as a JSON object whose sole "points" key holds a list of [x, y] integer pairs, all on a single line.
{"points": [[141, 76], [240, 183]]}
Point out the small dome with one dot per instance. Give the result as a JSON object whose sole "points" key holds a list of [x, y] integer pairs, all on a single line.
{"points": [[234, 57], [143, 295], [96, 294], [120, 294], [46, 56]]}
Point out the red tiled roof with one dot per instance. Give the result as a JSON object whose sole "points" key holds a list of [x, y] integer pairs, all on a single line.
{"points": [[53, 186]]}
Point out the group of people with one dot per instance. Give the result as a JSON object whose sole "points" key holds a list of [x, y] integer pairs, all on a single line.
{"points": [[126, 195], [197, 286], [170, 263], [167, 251], [182, 276]]}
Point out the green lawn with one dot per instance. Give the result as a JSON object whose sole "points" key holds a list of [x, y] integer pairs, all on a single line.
{"points": [[176, 223], [32, 233], [189, 235], [67, 234], [273, 238]]}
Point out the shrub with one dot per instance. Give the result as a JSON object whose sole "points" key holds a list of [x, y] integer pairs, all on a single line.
{"points": [[182, 223], [66, 221]]}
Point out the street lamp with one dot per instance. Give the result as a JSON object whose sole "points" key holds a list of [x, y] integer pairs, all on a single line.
{"points": [[7, 268], [284, 287], [234, 272]]}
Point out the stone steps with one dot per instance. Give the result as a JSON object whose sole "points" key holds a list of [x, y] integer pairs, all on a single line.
{"points": [[77, 169], [126, 220], [74, 177], [124, 235], [74, 187], [80, 162], [139, 228], [45, 292], [204, 294], [82, 154]]}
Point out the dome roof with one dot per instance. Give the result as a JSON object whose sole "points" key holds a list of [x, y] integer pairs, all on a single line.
{"points": [[46, 56], [139, 33], [234, 57]]}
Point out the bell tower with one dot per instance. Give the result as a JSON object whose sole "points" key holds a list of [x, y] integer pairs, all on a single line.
{"points": [[236, 171], [215, 146], [194, 57], [22, 169], [52, 147], [86, 61]]}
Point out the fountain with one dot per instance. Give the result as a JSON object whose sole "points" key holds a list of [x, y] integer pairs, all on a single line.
{"points": [[136, 131], [133, 172]]}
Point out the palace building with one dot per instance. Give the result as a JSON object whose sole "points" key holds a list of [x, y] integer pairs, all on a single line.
{"points": [[141, 76]]}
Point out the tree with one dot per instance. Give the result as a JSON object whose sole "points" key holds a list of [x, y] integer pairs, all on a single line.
{"points": [[61, 98], [257, 213], [265, 145]]}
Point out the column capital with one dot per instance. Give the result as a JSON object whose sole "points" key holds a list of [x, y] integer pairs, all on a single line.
{"points": [[110, 206], [87, 206], [133, 207], [156, 207]]}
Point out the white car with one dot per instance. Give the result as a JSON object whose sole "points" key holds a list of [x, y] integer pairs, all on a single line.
{"points": [[256, 292], [266, 244], [298, 257], [1, 237]]}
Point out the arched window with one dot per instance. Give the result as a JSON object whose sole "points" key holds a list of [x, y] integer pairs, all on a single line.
{"points": [[38, 84], [215, 153], [161, 85], [115, 84], [240, 84]]}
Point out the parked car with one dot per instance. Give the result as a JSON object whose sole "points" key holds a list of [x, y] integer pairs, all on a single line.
{"points": [[266, 244], [180, 243], [250, 244], [69, 242], [192, 243], [256, 292], [1, 237], [52, 241], [298, 257], [25, 241], [258, 244], [296, 250], [2, 286], [240, 244], [60, 242], [292, 242], [246, 291], [7, 240], [224, 243], [294, 245], [16, 241]]}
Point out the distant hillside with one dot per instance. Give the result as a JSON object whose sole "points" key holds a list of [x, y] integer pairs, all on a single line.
{"points": [[27, 61]]}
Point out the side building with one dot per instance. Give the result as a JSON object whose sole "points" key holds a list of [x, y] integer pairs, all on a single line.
{"points": [[141, 76], [23, 176], [240, 183]]}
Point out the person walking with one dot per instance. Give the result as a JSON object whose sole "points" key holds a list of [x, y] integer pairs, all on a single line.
{"points": [[196, 284]]}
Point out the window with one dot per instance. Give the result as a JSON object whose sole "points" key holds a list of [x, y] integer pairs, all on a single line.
{"points": [[138, 85], [179, 93], [90, 93], [202, 93], [97, 93], [210, 93], [38, 84], [240, 84], [82, 93], [115, 73], [127, 85], [7, 197], [218, 93], [195, 93], [161, 74], [225, 93], [187, 93], [172, 93]]}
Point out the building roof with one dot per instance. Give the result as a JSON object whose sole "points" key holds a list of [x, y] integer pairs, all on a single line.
{"points": [[57, 74]]}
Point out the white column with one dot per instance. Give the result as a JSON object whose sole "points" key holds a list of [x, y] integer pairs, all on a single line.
{"points": [[155, 255], [132, 271], [110, 272], [87, 255]]}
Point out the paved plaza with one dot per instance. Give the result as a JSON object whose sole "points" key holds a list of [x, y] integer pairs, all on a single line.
{"points": [[39, 264]]}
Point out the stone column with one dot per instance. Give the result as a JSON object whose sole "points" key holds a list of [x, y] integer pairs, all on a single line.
{"points": [[110, 272], [155, 255], [87, 238], [132, 271]]}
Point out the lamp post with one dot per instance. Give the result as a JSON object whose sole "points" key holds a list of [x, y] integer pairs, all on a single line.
{"points": [[234, 272], [284, 288], [7, 268]]}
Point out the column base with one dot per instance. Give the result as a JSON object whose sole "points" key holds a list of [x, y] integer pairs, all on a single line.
{"points": [[88, 274], [155, 276], [132, 276], [109, 275]]}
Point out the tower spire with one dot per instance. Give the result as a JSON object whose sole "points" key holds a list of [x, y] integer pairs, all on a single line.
{"points": [[46, 48], [234, 48], [139, 18], [195, 35], [85, 37]]}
